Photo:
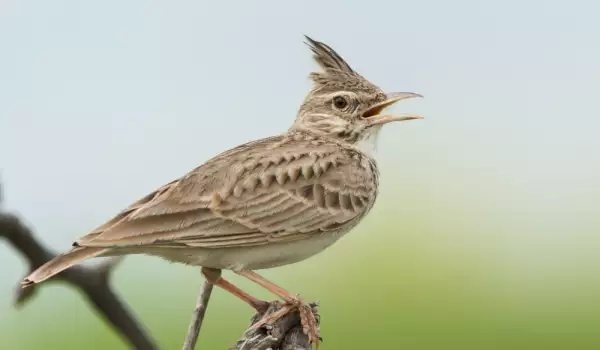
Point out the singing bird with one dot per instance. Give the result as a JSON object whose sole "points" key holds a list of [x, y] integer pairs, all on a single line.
{"points": [[267, 203]]}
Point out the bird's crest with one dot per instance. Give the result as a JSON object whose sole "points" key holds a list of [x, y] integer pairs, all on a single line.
{"points": [[327, 58], [336, 71]]}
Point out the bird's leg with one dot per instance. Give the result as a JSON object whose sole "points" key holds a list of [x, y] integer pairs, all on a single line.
{"points": [[214, 276], [307, 318]]}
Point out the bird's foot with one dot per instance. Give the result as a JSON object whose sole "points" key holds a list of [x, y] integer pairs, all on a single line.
{"points": [[309, 323]]}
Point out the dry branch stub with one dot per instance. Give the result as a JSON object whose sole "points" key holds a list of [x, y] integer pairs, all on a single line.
{"points": [[285, 334]]}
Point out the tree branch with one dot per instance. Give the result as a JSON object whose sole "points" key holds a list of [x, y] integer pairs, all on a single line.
{"points": [[92, 281], [198, 316]]}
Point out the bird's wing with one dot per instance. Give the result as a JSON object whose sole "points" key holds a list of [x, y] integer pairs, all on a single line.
{"points": [[276, 189]]}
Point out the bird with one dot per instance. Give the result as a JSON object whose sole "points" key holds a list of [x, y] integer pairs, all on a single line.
{"points": [[267, 203]]}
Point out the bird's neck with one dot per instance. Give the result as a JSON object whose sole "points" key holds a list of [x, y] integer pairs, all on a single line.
{"points": [[367, 141]]}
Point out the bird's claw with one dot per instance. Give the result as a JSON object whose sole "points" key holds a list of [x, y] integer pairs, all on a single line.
{"points": [[309, 323], [308, 320]]}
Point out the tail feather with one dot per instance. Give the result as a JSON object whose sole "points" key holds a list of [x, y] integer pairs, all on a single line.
{"points": [[60, 263]]}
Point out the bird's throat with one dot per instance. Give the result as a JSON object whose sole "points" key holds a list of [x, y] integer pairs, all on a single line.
{"points": [[367, 142]]}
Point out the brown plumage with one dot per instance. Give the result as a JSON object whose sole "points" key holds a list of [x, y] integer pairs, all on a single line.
{"points": [[269, 202]]}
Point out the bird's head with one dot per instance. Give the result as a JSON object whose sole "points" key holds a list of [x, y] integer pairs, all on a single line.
{"points": [[342, 104]]}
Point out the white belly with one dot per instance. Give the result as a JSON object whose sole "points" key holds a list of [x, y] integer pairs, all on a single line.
{"points": [[252, 257]]}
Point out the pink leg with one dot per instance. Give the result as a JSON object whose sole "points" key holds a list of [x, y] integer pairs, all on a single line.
{"points": [[309, 322], [214, 277]]}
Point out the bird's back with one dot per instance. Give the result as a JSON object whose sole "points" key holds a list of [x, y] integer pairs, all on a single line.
{"points": [[291, 185]]}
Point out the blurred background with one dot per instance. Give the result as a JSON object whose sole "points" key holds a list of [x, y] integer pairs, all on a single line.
{"points": [[485, 234]]}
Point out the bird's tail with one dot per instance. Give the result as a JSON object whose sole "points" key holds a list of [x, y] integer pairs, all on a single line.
{"points": [[60, 263]]}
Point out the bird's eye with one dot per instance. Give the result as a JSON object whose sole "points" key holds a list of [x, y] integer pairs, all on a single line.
{"points": [[340, 102]]}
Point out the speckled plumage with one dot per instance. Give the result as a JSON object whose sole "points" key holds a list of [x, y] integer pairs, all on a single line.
{"points": [[280, 189], [266, 203]]}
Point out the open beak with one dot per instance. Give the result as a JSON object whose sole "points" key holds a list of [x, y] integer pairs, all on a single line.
{"points": [[375, 118]]}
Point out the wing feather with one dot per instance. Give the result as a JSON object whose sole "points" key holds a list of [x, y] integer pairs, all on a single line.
{"points": [[278, 189]]}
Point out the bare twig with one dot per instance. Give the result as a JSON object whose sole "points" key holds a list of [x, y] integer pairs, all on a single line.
{"points": [[198, 316], [92, 281], [285, 334]]}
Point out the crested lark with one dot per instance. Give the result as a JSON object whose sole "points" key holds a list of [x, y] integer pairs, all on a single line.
{"points": [[266, 203]]}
